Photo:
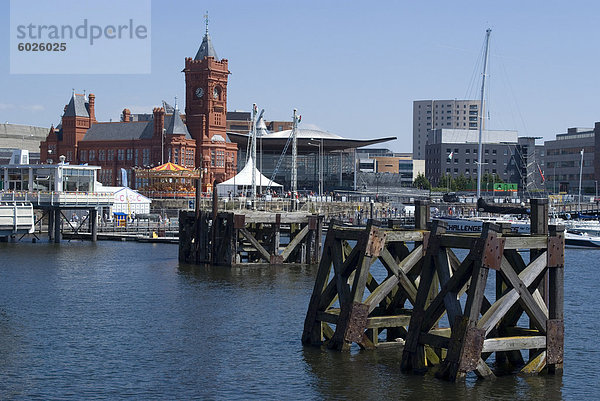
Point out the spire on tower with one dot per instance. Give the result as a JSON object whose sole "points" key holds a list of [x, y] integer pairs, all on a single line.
{"points": [[206, 21], [206, 48]]}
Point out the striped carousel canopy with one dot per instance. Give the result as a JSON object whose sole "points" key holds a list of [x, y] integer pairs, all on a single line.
{"points": [[170, 167]]}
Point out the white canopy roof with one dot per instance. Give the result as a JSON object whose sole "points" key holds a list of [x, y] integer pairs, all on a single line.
{"points": [[244, 178]]}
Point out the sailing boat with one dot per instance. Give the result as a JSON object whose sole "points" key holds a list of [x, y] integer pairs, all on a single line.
{"points": [[474, 224]]}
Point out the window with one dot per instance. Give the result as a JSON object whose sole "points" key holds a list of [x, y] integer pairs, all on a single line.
{"points": [[92, 155], [111, 155], [212, 158], [129, 154], [467, 161], [137, 157], [146, 157], [494, 151], [176, 156], [220, 158], [83, 155], [467, 151], [69, 155], [121, 154], [102, 155], [487, 151]]}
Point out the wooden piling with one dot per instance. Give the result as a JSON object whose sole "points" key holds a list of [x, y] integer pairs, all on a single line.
{"points": [[226, 238], [427, 281]]}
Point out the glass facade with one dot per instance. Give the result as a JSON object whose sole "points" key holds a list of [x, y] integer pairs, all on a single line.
{"points": [[338, 169]]}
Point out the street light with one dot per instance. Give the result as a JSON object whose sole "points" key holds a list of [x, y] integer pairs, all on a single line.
{"points": [[162, 146], [320, 146]]}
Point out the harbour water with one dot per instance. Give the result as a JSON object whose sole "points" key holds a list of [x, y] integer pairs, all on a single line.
{"points": [[121, 320]]}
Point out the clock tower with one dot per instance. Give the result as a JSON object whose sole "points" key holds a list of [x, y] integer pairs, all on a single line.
{"points": [[206, 110]]}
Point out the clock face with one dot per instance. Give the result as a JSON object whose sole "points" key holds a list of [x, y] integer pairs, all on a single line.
{"points": [[216, 93], [199, 92]]}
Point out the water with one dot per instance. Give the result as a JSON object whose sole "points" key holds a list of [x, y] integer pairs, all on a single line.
{"points": [[120, 320]]}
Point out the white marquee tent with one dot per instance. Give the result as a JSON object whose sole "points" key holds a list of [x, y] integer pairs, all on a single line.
{"points": [[243, 181], [127, 201]]}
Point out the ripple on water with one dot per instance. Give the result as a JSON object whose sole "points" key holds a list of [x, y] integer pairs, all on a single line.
{"points": [[121, 320]]}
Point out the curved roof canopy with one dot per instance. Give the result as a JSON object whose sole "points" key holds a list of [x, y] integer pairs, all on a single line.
{"points": [[308, 140]]}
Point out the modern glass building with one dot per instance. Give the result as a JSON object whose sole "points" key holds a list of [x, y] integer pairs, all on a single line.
{"points": [[315, 148]]}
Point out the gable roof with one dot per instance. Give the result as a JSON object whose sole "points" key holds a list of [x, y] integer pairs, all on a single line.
{"points": [[77, 107], [134, 130], [120, 131]]}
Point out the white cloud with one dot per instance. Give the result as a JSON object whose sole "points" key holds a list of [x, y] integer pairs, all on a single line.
{"points": [[6, 106]]}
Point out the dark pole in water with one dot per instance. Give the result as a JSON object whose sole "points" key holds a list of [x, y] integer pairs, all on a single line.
{"points": [[215, 210], [198, 194]]}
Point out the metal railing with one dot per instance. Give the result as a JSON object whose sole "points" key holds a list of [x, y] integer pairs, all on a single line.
{"points": [[61, 199]]}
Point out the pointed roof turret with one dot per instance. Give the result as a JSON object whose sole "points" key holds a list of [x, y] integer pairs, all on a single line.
{"points": [[176, 125], [206, 48], [77, 107]]}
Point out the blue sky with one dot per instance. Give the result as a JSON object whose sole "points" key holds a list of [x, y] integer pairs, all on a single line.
{"points": [[350, 67]]}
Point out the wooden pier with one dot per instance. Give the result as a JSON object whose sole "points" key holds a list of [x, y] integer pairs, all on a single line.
{"points": [[248, 237], [428, 292]]}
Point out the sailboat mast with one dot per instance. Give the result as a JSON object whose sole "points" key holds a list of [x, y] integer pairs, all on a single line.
{"points": [[480, 145], [253, 150], [580, 174], [295, 155]]}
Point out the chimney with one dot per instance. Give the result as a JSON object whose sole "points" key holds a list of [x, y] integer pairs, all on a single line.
{"points": [[92, 101], [159, 121], [126, 115]]}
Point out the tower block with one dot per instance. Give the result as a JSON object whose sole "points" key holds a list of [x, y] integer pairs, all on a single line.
{"points": [[206, 111]]}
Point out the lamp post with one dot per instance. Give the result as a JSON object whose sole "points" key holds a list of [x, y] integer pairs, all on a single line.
{"points": [[320, 146], [234, 174], [162, 146]]}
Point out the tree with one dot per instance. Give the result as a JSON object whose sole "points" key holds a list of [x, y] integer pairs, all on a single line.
{"points": [[422, 182], [460, 183], [446, 181]]}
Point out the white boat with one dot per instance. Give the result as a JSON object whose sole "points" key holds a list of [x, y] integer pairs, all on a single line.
{"points": [[581, 240], [474, 224]]}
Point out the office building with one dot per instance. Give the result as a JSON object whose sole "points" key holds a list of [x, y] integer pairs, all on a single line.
{"points": [[442, 114]]}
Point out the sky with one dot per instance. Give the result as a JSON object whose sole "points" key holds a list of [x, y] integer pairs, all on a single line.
{"points": [[351, 68]]}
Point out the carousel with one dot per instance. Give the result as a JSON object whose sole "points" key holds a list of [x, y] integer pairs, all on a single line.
{"points": [[168, 180]]}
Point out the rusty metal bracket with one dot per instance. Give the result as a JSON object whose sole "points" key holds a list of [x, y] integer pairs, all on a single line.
{"points": [[375, 243], [471, 350], [357, 322], [492, 251], [556, 250], [239, 221], [555, 337]]}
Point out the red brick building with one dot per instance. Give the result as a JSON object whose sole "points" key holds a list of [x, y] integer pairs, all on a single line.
{"points": [[197, 139]]}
